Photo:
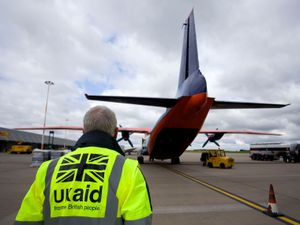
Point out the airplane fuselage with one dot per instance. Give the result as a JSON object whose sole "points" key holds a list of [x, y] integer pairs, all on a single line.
{"points": [[179, 125]]}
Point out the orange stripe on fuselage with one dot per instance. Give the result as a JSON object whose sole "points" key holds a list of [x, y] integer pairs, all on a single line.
{"points": [[189, 113]]}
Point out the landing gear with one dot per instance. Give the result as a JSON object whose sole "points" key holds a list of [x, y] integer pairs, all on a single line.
{"points": [[140, 159], [175, 160]]}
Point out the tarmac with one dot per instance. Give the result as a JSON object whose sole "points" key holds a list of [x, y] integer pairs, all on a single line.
{"points": [[188, 193]]}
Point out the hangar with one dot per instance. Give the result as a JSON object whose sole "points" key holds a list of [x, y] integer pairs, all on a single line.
{"points": [[9, 137]]}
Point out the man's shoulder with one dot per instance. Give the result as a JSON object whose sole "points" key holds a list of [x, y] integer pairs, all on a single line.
{"points": [[131, 162], [92, 153], [130, 166], [94, 149]]}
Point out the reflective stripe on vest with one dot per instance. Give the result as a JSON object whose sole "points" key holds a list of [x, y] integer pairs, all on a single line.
{"points": [[111, 206], [28, 223]]}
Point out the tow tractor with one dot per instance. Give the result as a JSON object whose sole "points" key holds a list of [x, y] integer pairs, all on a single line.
{"points": [[20, 148], [216, 158]]}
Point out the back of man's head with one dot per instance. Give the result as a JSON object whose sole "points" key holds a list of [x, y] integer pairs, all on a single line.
{"points": [[100, 118]]}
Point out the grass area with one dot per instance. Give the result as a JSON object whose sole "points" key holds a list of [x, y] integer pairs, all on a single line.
{"points": [[227, 151]]}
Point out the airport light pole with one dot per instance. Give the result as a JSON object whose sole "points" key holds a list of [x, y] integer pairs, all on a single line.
{"points": [[48, 83], [65, 134]]}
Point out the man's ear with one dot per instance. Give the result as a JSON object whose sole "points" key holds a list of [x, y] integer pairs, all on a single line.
{"points": [[116, 132]]}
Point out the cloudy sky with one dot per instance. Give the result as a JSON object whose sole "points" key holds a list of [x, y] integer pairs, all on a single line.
{"points": [[248, 51]]}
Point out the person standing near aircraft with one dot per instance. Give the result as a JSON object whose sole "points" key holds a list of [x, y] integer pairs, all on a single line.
{"points": [[94, 184]]}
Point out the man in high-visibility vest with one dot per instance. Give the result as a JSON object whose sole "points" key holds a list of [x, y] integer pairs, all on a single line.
{"points": [[94, 184]]}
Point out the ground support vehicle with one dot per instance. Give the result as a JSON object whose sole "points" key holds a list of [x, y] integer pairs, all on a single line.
{"points": [[216, 158], [20, 149], [275, 151]]}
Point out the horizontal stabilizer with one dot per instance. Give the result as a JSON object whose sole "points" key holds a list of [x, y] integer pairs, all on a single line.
{"points": [[161, 102], [244, 105]]}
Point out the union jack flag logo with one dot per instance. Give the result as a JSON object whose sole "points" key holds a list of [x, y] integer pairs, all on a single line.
{"points": [[82, 167]]}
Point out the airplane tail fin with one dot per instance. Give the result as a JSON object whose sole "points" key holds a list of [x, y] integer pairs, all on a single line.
{"points": [[189, 67]]}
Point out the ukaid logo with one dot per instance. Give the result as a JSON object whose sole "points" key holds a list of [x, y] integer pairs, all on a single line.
{"points": [[78, 185], [82, 167], [78, 195]]}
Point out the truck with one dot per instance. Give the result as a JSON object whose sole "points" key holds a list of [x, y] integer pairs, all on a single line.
{"points": [[275, 151], [20, 148], [216, 158]]}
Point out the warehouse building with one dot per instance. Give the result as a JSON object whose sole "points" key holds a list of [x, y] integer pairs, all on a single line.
{"points": [[9, 137]]}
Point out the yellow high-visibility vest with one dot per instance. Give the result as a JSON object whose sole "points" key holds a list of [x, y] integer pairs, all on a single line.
{"points": [[91, 185]]}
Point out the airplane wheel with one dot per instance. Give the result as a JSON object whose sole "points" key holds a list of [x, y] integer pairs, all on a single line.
{"points": [[175, 161], [140, 159]]}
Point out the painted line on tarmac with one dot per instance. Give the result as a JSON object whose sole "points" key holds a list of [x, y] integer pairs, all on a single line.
{"points": [[199, 208], [282, 218]]}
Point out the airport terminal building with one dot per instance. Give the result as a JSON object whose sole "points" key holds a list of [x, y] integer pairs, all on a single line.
{"points": [[9, 137]]}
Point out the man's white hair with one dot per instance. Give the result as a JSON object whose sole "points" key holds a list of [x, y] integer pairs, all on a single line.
{"points": [[100, 118]]}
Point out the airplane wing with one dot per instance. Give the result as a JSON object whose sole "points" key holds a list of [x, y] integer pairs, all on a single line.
{"points": [[244, 105], [214, 135], [50, 128], [237, 132], [135, 130], [120, 129]]}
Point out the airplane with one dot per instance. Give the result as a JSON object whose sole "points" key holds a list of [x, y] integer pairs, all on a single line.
{"points": [[185, 114]]}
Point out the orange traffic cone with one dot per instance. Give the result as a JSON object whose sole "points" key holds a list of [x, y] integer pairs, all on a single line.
{"points": [[272, 206]]}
